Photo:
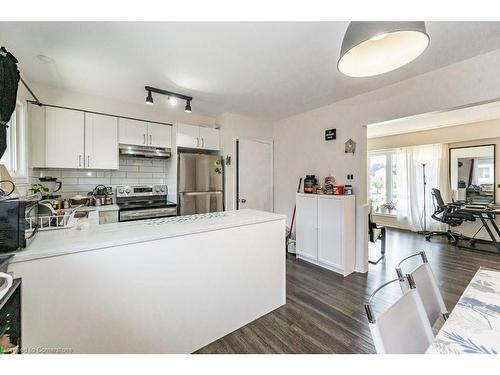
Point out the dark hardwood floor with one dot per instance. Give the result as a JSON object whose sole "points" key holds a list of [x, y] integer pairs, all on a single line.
{"points": [[324, 312]]}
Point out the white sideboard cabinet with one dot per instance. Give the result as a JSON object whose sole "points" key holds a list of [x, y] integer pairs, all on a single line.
{"points": [[326, 231]]}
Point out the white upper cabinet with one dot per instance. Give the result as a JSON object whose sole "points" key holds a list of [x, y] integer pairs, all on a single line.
{"points": [[36, 115], [188, 136], [142, 133], [132, 132], [101, 141], [64, 138], [209, 138], [159, 135], [199, 137]]}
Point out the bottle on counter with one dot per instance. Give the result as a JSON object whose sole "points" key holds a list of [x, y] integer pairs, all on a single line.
{"points": [[309, 183]]}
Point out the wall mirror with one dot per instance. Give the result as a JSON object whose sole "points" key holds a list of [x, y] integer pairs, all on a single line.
{"points": [[472, 174]]}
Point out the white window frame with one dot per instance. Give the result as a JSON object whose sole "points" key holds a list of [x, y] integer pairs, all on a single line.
{"points": [[390, 154], [17, 155]]}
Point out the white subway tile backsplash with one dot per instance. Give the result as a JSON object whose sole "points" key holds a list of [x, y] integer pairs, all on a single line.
{"points": [[139, 174], [132, 171], [140, 162], [151, 169], [69, 181], [94, 180], [129, 168]]}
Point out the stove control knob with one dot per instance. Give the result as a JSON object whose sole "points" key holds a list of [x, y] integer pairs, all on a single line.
{"points": [[121, 191], [157, 189], [127, 190], [162, 189]]}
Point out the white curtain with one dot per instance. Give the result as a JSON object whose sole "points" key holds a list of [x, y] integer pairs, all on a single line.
{"points": [[410, 184]]}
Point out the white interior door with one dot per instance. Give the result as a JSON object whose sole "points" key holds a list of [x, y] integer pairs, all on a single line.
{"points": [[255, 175]]}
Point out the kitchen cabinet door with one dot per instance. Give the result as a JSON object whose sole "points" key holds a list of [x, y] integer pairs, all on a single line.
{"points": [[330, 232], [159, 135], [64, 138], [132, 132], [307, 227], [188, 136], [101, 141], [37, 127], [209, 138]]}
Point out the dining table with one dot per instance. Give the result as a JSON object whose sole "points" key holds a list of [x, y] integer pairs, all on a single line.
{"points": [[473, 326]]}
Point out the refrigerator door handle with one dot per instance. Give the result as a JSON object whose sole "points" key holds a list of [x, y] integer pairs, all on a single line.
{"points": [[190, 193]]}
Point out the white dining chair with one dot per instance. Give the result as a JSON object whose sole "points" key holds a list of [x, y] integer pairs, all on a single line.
{"points": [[427, 288], [403, 328]]}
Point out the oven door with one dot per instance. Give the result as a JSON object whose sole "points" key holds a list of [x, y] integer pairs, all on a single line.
{"points": [[146, 213]]}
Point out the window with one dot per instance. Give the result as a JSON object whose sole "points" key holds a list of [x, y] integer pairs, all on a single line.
{"points": [[14, 157], [382, 181]]}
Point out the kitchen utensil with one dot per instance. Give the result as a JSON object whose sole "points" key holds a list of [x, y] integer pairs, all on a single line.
{"points": [[50, 183]]}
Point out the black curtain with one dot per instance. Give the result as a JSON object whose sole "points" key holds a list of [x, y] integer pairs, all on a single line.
{"points": [[9, 82]]}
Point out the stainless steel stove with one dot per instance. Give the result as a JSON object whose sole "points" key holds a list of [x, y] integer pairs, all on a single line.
{"points": [[139, 202]]}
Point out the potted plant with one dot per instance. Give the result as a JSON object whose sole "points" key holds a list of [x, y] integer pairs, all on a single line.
{"points": [[389, 207], [39, 188]]}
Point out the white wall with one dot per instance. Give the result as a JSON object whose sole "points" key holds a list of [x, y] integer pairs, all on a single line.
{"points": [[299, 145], [238, 126], [158, 112]]}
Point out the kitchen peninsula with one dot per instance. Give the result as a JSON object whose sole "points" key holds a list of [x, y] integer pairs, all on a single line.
{"points": [[167, 285]]}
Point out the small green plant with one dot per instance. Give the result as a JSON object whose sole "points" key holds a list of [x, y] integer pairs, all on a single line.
{"points": [[389, 206], [39, 188]]}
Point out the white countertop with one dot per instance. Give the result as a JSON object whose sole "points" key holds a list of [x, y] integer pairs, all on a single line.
{"points": [[94, 237]]}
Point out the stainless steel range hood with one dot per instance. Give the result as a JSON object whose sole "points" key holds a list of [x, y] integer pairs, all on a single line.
{"points": [[145, 151]]}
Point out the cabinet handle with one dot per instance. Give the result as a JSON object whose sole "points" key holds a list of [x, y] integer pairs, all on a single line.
{"points": [[150, 139], [203, 142], [197, 142], [144, 138], [79, 160], [88, 160]]}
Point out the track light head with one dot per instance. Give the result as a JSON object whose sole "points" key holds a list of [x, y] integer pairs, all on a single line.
{"points": [[149, 98], [187, 109]]}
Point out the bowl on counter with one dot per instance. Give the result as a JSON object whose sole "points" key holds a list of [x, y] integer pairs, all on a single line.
{"points": [[79, 200]]}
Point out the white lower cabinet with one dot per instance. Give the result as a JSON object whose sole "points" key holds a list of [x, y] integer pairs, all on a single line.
{"points": [[326, 231]]}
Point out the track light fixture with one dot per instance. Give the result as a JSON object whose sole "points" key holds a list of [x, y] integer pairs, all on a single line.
{"points": [[172, 97], [149, 98]]}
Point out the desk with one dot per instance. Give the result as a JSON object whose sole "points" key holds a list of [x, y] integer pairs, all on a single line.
{"points": [[487, 217], [474, 323]]}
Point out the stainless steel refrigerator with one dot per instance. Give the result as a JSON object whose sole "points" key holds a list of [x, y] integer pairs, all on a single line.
{"points": [[200, 183]]}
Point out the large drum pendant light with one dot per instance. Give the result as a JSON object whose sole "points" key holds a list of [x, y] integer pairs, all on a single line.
{"points": [[372, 48]]}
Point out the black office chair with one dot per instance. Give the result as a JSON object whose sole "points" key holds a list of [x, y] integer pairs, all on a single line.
{"points": [[376, 232], [449, 214]]}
